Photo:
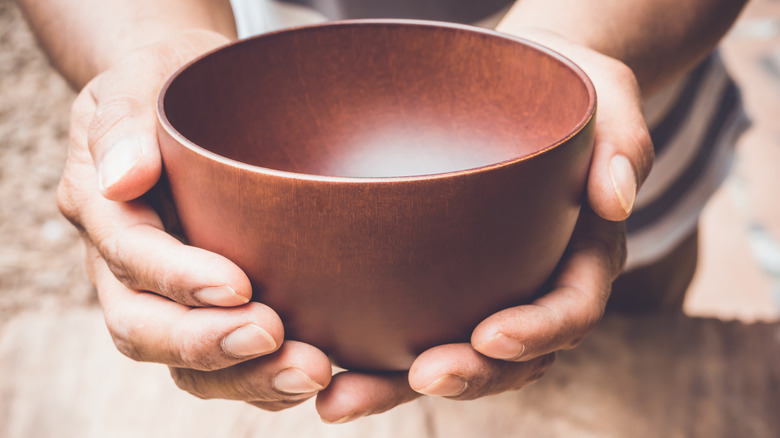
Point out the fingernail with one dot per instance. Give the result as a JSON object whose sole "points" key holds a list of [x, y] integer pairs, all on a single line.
{"points": [[623, 181], [501, 346], [248, 340], [223, 296], [347, 418], [448, 385], [119, 160], [295, 381]]}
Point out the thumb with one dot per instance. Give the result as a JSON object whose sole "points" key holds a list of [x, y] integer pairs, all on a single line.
{"points": [[623, 151], [126, 155], [122, 135]]}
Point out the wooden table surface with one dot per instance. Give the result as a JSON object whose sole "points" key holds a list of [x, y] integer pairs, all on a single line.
{"points": [[665, 376]]}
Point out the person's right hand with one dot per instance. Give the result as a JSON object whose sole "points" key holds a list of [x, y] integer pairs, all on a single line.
{"points": [[155, 290]]}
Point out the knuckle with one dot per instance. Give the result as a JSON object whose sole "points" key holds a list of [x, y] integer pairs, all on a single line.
{"points": [[110, 113], [193, 350], [67, 202], [591, 318], [544, 365], [171, 283], [622, 74], [81, 111], [523, 374], [70, 194], [256, 389], [124, 252], [625, 73], [575, 342], [607, 240], [91, 261], [127, 348], [111, 249], [189, 381], [587, 322], [547, 361], [123, 336]]}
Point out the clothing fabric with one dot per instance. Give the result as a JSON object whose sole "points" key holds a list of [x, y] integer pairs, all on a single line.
{"points": [[254, 17], [694, 122]]}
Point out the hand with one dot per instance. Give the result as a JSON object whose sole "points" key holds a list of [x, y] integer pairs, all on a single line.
{"points": [[515, 346], [511, 348], [238, 352], [154, 289]]}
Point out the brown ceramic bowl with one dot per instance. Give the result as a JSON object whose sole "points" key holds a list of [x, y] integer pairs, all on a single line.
{"points": [[385, 185]]}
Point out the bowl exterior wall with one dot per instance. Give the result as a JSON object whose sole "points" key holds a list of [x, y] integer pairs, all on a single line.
{"points": [[374, 272]]}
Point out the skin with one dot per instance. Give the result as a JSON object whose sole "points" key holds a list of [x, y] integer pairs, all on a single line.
{"points": [[187, 308], [656, 39]]}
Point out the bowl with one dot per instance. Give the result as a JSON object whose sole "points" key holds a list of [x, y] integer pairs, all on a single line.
{"points": [[385, 184]]}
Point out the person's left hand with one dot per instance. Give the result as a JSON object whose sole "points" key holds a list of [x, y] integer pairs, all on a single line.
{"points": [[510, 349], [515, 346]]}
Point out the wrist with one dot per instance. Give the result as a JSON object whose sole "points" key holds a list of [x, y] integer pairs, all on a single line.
{"points": [[181, 45], [187, 44], [167, 53]]}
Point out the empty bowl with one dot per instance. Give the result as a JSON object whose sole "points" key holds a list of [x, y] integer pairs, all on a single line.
{"points": [[385, 184]]}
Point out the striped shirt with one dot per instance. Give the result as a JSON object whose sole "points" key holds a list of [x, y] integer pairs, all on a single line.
{"points": [[694, 124]]}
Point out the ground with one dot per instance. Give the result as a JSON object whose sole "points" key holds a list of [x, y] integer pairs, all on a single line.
{"points": [[712, 372]]}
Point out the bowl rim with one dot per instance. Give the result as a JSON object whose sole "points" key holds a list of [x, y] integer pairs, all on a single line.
{"points": [[589, 115]]}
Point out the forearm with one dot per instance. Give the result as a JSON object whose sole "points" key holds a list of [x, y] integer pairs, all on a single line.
{"points": [[86, 37], [657, 39]]}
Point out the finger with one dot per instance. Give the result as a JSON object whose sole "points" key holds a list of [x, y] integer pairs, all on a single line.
{"points": [[130, 236], [150, 328], [623, 150], [286, 378], [563, 317], [122, 134], [352, 395], [143, 256], [458, 372], [74, 186]]}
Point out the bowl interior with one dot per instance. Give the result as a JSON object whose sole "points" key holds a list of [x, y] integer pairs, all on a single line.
{"points": [[377, 99]]}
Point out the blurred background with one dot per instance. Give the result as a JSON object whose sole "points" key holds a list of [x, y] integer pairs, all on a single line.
{"points": [[714, 371]]}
